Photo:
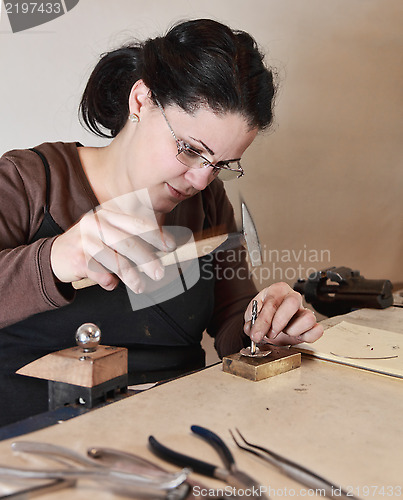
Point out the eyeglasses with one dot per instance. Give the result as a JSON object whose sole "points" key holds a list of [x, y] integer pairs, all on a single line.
{"points": [[188, 156]]}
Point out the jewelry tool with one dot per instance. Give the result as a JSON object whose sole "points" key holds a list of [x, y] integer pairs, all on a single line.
{"points": [[294, 470], [254, 316], [230, 473], [162, 485], [253, 351]]}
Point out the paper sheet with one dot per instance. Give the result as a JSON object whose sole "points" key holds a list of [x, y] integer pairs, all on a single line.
{"points": [[360, 346]]}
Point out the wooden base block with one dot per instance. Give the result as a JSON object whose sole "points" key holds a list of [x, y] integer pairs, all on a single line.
{"points": [[280, 360], [73, 366]]}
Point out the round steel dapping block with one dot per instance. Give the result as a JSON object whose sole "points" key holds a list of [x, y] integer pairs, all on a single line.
{"points": [[258, 354], [88, 337]]}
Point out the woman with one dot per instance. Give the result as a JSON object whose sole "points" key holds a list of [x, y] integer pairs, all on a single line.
{"points": [[181, 110]]}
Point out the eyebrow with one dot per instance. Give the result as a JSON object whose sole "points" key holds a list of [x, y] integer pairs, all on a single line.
{"points": [[228, 161], [209, 150]]}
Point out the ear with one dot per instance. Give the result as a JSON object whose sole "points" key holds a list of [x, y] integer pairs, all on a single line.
{"points": [[138, 97]]}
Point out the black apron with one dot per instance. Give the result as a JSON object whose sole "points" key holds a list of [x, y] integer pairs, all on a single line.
{"points": [[163, 340]]}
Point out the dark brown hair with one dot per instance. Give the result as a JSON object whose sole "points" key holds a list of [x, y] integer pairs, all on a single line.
{"points": [[197, 63]]}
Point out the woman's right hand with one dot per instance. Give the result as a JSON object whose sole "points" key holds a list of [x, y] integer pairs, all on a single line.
{"points": [[110, 244]]}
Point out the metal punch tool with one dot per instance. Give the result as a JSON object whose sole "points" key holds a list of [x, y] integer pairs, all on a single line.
{"points": [[253, 351]]}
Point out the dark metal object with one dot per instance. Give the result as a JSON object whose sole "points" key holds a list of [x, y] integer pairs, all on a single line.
{"points": [[230, 474], [294, 470], [62, 394], [339, 290]]}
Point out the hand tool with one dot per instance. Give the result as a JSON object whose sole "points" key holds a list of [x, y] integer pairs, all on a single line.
{"points": [[143, 483], [200, 248], [254, 316], [253, 351], [133, 463], [294, 470], [230, 474]]}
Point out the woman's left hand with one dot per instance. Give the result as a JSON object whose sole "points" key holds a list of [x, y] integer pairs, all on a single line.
{"points": [[282, 319]]}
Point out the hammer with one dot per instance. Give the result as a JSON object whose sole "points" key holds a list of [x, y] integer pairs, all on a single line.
{"points": [[199, 248]]}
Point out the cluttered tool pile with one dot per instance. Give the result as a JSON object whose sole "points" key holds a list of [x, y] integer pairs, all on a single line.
{"points": [[131, 475]]}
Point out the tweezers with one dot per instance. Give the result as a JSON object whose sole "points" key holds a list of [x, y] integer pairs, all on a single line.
{"points": [[294, 470]]}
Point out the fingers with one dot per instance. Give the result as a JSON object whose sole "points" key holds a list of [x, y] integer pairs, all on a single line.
{"points": [[98, 273], [310, 336], [107, 244], [302, 321], [106, 267], [277, 304], [118, 227], [281, 317], [105, 240]]}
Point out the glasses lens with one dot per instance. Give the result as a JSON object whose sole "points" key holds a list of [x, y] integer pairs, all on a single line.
{"points": [[234, 171], [192, 159], [228, 175]]}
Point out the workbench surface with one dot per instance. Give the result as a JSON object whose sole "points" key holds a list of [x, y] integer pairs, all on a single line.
{"points": [[342, 422]]}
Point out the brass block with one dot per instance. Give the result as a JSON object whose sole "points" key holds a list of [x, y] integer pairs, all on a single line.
{"points": [[280, 360]]}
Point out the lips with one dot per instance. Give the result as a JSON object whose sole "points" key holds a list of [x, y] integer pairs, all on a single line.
{"points": [[178, 195]]}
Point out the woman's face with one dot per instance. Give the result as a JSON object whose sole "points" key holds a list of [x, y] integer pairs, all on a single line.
{"points": [[151, 151]]}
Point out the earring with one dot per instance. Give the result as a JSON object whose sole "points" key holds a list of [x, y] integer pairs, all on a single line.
{"points": [[134, 118]]}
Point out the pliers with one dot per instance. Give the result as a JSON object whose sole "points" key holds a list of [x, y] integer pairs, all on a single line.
{"points": [[230, 474]]}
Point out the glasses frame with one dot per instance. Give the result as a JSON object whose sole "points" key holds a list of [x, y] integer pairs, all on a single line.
{"points": [[205, 163]]}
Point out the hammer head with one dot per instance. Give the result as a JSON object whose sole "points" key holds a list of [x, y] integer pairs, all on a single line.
{"points": [[251, 237]]}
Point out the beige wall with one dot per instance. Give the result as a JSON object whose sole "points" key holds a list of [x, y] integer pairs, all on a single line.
{"points": [[329, 179]]}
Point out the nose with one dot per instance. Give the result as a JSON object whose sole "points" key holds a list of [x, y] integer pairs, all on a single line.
{"points": [[199, 178]]}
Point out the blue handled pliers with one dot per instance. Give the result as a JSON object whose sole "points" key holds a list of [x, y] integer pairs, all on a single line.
{"points": [[230, 474]]}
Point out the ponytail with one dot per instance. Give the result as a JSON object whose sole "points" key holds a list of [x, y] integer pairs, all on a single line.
{"points": [[105, 103]]}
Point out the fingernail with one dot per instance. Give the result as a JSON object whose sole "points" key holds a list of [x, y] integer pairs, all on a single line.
{"points": [[159, 274], [169, 244], [272, 334], [256, 336]]}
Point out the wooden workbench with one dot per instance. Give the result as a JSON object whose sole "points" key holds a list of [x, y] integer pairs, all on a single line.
{"points": [[339, 421]]}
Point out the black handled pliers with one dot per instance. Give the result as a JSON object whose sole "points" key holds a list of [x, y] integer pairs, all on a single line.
{"points": [[230, 474]]}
